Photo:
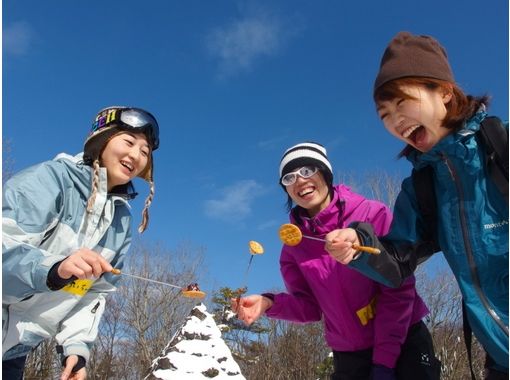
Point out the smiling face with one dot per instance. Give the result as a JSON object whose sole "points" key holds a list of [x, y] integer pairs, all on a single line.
{"points": [[416, 118], [310, 193], [125, 156]]}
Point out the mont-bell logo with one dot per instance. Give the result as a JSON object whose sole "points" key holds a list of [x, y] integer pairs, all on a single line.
{"points": [[491, 226]]}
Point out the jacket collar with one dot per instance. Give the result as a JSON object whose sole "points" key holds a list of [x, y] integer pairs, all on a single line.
{"points": [[81, 174], [324, 220], [449, 144]]}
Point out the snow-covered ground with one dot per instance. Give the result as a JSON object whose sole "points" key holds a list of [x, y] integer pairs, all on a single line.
{"points": [[196, 352]]}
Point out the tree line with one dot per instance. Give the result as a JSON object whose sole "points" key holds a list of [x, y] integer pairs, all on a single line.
{"points": [[141, 318]]}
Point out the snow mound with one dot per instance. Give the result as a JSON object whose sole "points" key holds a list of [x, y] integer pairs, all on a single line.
{"points": [[196, 352]]}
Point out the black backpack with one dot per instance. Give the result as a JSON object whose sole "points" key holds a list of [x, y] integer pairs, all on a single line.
{"points": [[493, 137]]}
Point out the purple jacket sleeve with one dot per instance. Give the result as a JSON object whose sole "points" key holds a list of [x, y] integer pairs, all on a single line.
{"points": [[394, 311], [394, 308], [298, 305]]}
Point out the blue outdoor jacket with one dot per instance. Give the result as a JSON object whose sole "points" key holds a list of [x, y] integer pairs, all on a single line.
{"points": [[473, 235]]}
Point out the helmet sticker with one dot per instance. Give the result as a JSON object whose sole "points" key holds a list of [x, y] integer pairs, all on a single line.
{"points": [[104, 118]]}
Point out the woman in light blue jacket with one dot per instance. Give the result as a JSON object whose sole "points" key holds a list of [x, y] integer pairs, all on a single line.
{"points": [[419, 103], [65, 223]]}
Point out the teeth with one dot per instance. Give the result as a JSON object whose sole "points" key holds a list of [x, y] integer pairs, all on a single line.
{"points": [[127, 165], [409, 130], [305, 191]]}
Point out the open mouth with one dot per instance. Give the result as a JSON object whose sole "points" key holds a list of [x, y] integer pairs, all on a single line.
{"points": [[414, 133], [306, 191], [127, 165]]}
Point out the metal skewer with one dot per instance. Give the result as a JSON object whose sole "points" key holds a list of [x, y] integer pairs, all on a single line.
{"points": [[117, 271]]}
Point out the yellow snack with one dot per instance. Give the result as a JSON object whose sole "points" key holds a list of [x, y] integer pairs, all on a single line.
{"points": [[290, 234], [193, 293], [256, 248]]}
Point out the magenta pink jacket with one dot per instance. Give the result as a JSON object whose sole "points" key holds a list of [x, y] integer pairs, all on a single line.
{"points": [[358, 312]]}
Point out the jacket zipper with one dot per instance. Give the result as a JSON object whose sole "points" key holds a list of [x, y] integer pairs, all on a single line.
{"points": [[468, 248], [94, 309]]}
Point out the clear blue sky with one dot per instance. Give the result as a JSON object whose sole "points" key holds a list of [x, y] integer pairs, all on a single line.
{"points": [[232, 84]]}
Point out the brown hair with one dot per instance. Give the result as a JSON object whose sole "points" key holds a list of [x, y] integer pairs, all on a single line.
{"points": [[458, 109], [95, 183]]}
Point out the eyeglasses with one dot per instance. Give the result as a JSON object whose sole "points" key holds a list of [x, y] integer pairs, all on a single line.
{"points": [[132, 119], [304, 172]]}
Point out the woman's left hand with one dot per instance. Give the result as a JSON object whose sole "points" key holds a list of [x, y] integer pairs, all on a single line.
{"points": [[250, 308]]}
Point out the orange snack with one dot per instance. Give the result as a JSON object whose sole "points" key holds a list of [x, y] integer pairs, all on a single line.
{"points": [[193, 293], [255, 248], [290, 234]]}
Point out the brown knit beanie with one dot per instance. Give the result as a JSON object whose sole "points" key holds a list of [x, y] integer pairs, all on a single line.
{"points": [[408, 55]]}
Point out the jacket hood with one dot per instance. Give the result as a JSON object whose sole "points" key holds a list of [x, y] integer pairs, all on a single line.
{"points": [[81, 175]]}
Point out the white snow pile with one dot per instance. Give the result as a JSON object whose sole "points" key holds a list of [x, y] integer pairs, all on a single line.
{"points": [[196, 352]]}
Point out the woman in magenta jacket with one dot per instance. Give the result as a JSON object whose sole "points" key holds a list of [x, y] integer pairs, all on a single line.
{"points": [[375, 332]]}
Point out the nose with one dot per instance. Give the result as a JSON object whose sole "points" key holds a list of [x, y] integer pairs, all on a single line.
{"points": [[134, 153], [299, 178]]}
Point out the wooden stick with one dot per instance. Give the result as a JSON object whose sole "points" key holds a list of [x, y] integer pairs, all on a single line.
{"points": [[371, 250]]}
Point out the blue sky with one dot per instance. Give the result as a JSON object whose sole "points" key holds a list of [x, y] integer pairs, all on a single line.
{"points": [[232, 84]]}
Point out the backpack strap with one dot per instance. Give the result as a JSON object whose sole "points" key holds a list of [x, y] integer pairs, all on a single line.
{"points": [[494, 137], [423, 183], [468, 334]]}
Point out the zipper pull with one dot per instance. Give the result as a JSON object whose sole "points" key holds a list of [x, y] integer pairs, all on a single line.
{"points": [[448, 166], [93, 311]]}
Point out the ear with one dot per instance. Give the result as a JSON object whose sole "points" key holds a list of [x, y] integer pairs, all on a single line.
{"points": [[446, 95]]}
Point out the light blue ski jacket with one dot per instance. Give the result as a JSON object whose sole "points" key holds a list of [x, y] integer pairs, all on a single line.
{"points": [[44, 220]]}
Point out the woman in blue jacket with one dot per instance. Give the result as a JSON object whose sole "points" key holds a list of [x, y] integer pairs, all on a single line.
{"points": [[419, 103]]}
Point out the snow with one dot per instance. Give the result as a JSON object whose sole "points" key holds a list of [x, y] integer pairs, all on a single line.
{"points": [[196, 352]]}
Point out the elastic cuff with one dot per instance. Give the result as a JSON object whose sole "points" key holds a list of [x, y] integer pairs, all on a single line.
{"points": [[54, 281], [361, 237], [268, 295], [356, 255], [82, 362]]}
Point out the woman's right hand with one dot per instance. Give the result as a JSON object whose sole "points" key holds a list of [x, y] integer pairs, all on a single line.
{"points": [[250, 308], [339, 244], [83, 263]]}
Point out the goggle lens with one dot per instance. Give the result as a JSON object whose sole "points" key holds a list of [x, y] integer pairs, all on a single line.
{"points": [[135, 118], [130, 118], [304, 172]]}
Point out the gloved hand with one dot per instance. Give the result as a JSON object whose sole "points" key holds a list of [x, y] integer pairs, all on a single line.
{"points": [[380, 372]]}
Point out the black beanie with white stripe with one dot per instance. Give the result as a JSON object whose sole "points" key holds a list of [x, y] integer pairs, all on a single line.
{"points": [[307, 154]]}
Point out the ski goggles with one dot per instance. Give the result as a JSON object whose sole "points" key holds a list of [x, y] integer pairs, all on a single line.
{"points": [[304, 172], [130, 119]]}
